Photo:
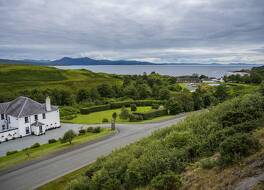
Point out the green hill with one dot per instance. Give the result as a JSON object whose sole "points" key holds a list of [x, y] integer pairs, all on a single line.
{"points": [[16, 78]]}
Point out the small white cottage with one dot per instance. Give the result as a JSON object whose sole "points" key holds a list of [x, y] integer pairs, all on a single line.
{"points": [[24, 116]]}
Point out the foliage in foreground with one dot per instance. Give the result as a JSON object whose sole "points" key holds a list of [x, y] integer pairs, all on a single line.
{"points": [[148, 162]]}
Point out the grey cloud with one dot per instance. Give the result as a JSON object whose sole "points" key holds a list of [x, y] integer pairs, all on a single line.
{"points": [[136, 29]]}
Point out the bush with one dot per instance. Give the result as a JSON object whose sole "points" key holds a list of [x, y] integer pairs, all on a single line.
{"points": [[155, 106], [208, 163], [68, 136], [124, 113], [237, 146], [166, 181], [133, 107], [105, 120], [36, 145], [97, 130], [134, 117], [69, 117], [152, 114], [52, 141], [82, 131], [90, 129], [95, 109], [11, 152], [68, 111]]}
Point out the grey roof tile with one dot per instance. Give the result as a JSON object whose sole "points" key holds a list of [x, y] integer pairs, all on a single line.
{"points": [[23, 106]]}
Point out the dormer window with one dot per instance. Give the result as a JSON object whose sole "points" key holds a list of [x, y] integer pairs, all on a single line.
{"points": [[36, 117]]}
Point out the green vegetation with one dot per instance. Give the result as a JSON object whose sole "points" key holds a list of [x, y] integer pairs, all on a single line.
{"points": [[97, 117], [165, 154], [36, 151], [34, 80]]}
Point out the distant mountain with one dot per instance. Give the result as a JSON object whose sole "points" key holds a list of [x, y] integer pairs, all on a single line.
{"points": [[89, 61], [66, 61]]}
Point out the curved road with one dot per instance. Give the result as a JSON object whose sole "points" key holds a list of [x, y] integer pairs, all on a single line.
{"points": [[39, 173]]}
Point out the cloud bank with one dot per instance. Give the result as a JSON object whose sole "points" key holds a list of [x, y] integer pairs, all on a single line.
{"points": [[193, 31]]}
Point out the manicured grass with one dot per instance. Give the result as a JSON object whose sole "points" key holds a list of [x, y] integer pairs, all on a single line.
{"points": [[45, 149], [97, 117]]}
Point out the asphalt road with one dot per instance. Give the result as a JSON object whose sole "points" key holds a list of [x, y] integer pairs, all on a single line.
{"points": [[39, 173]]}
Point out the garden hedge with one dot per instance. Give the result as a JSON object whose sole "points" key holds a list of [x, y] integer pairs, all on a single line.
{"points": [[152, 114], [115, 105]]}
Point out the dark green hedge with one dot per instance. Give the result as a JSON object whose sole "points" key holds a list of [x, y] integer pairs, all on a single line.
{"points": [[152, 114], [115, 105], [95, 109]]}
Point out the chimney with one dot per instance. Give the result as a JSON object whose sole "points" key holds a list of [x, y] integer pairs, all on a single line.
{"points": [[48, 106]]}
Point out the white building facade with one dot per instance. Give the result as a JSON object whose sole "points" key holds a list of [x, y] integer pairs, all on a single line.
{"points": [[24, 116]]}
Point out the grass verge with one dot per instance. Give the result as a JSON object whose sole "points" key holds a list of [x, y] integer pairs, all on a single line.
{"points": [[46, 149]]}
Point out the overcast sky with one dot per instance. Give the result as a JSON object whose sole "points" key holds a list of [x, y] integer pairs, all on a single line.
{"points": [[179, 31]]}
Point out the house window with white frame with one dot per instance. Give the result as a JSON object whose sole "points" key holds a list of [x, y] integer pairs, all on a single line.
{"points": [[26, 119], [2, 116], [43, 116], [36, 117]]}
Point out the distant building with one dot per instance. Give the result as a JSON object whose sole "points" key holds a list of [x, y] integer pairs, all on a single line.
{"points": [[24, 116]]}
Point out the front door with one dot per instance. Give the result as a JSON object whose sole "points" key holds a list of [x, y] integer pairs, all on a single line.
{"points": [[40, 129]]}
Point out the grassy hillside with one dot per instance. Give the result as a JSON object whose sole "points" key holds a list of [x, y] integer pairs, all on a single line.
{"points": [[221, 137], [15, 78]]}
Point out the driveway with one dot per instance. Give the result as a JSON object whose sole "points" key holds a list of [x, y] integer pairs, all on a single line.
{"points": [[37, 174]]}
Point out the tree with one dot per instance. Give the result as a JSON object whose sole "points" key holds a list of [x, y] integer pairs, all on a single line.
{"points": [[173, 106], [124, 113], [82, 95], [105, 90], [143, 91], [221, 93], [262, 88], [68, 136], [164, 94]]}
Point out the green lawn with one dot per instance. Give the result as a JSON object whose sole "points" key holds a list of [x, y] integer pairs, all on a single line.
{"points": [[97, 117], [45, 149]]}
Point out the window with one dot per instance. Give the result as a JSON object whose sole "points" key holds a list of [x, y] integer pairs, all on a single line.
{"points": [[26, 119], [36, 117], [3, 127], [43, 116], [27, 130], [8, 119], [2, 116]]}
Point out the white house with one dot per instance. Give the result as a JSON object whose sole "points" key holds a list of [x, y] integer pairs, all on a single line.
{"points": [[24, 116]]}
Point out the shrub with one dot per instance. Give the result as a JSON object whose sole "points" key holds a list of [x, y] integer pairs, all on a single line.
{"points": [[208, 163], [52, 141], [152, 114], [82, 131], [124, 113], [95, 109], [166, 181], [155, 106], [97, 130], [89, 129], [105, 120], [69, 117], [36, 145], [134, 117], [67, 111], [133, 107], [11, 152], [68, 136], [237, 146]]}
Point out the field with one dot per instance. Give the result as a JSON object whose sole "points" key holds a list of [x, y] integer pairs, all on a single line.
{"points": [[97, 117], [46, 149], [15, 78]]}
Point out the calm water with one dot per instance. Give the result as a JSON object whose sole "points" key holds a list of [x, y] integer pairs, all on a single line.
{"points": [[173, 70]]}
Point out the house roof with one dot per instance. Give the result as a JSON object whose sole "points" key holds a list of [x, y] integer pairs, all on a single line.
{"points": [[23, 106], [37, 124]]}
